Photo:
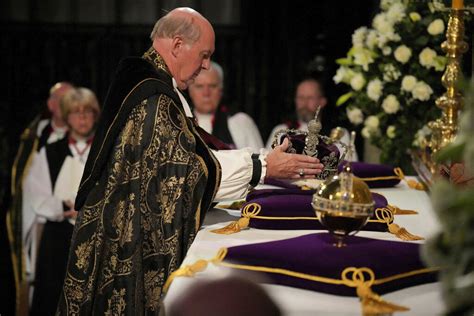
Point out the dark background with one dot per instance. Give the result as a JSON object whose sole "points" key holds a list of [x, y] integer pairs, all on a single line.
{"points": [[264, 48]]}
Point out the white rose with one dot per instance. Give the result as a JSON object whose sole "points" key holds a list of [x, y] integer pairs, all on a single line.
{"points": [[382, 40], [355, 115], [422, 91], [390, 104], [390, 73], [385, 4], [374, 89], [402, 54], [387, 50], [427, 57], [415, 16], [343, 74], [436, 27], [408, 83], [382, 24], [372, 39], [366, 132], [363, 57], [358, 37], [372, 122], [391, 131], [396, 12], [357, 82]]}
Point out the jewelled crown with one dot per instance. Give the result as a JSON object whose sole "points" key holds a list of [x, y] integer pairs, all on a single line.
{"points": [[313, 144]]}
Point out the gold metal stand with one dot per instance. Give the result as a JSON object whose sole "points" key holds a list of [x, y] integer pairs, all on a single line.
{"points": [[444, 129]]}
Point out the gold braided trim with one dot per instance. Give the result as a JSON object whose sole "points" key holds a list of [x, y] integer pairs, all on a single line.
{"points": [[399, 175], [360, 278], [251, 211], [397, 211]]}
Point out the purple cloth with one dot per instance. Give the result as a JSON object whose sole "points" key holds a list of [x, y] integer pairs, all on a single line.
{"points": [[295, 203], [315, 254], [365, 171]]}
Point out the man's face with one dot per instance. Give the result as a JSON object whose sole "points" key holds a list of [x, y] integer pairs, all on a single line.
{"points": [[81, 120], [206, 91], [194, 57], [307, 100], [53, 102]]}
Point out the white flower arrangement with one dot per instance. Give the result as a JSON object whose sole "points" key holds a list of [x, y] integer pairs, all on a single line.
{"points": [[393, 72]]}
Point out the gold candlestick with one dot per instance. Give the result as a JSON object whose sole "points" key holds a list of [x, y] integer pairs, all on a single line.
{"points": [[445, 128]]}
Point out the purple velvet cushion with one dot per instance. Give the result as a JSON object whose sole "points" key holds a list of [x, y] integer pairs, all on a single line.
{"points": [[282, 204], [315, 255], [280, 183], [375, 175]]}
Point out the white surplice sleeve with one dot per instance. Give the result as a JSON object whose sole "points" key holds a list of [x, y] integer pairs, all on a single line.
{"points": [[237, 172], [38, 190]]}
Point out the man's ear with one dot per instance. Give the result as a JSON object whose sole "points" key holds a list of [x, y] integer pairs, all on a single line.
{"points": [[177, 44], [323, 101]]}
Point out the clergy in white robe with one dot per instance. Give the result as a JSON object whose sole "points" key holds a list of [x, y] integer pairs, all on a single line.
{"points": [[51, 186], [235, 129]]}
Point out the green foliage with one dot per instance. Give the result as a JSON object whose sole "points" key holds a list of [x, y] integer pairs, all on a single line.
{"points": [[453, 247]]}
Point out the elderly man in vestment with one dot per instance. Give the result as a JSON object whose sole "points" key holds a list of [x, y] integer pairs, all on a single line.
{"points": [[150, 178]]}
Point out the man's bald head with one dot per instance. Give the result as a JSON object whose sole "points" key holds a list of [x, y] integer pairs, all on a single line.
{"points": [[186, 22], [56, 92], [185, 40]]}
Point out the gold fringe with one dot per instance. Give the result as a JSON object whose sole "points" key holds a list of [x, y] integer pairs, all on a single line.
{"points": [[386, 215]]}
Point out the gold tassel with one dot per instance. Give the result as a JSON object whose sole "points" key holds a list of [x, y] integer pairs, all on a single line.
{"points": [[233, 227], [416, 185], [249, 211], [372, 303], [192, 269], [413, 184], [402, 233], [397, 211], [386, 215], [236, 205], [188, 271]]}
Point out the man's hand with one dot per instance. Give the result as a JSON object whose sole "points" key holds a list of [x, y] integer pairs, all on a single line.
{"points": [[291, 166], [71, 213]]}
